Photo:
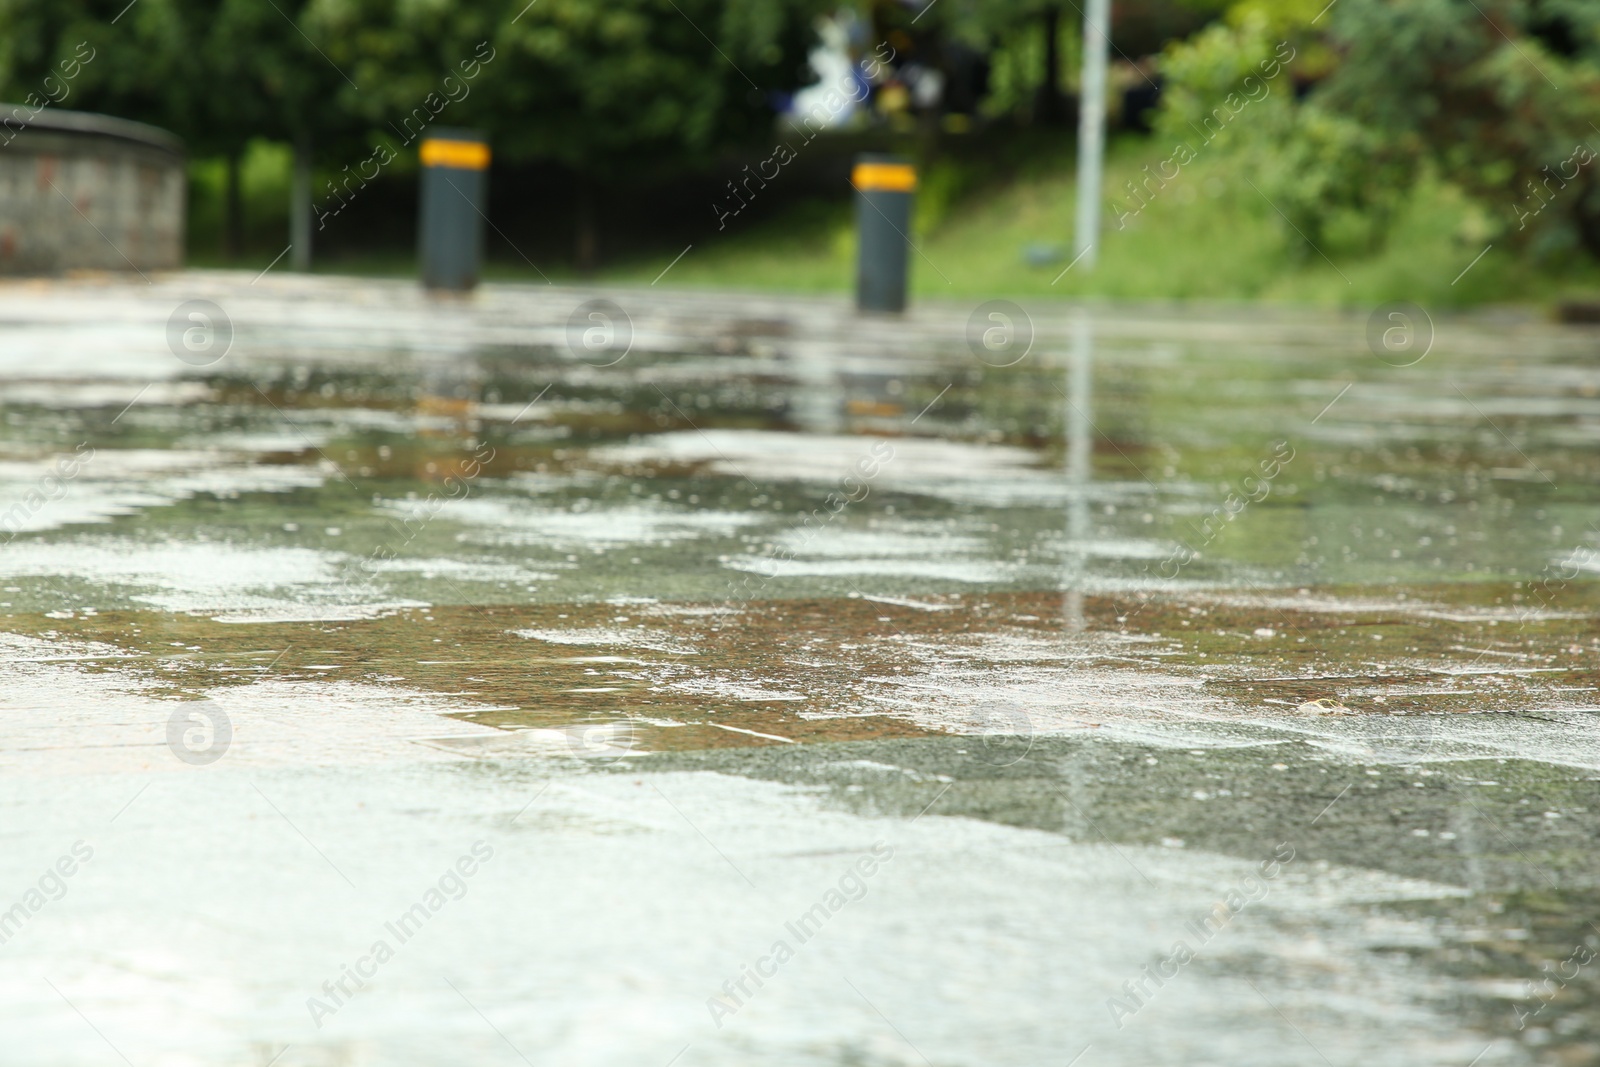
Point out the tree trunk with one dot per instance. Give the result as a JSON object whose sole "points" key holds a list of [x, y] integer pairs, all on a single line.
{"points": [[232, 211], [300, 206], [588, 235], [1049, 107], [1586, 216]]}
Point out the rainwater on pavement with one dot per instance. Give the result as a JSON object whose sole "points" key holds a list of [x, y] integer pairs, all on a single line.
{"points": [[649, 677]]}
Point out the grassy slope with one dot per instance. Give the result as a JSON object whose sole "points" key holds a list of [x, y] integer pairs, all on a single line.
{"points": [[1207, 236]]}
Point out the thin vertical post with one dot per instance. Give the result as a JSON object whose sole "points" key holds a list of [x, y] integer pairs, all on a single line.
{"points": [[1092, 129], [300, 206]]}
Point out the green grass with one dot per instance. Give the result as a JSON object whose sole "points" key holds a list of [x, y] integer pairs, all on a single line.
{"points": [[1207, 236]]}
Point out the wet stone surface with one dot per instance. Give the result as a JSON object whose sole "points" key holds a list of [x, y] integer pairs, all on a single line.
{"points": [[1219, 634]]}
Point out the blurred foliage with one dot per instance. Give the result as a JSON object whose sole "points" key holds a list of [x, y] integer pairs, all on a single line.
{"points": [[1500, 99], [1232, 91], [1016, 61], [1496, 97], [1209, 237], [615, 88], [1139, 27], [216, 72], [1011, 33]]}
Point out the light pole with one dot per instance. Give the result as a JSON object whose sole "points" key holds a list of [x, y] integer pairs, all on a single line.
{"points": [[1091, 129]]}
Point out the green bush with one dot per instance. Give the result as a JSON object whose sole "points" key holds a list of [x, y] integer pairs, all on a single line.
{"points": [[1494, 97]]}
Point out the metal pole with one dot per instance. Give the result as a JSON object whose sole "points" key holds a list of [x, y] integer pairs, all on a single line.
{"points": [[1092, 129], [300, 206]]}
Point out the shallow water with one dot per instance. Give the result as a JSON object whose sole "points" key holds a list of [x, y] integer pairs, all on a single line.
{"points": [[681, 633]]}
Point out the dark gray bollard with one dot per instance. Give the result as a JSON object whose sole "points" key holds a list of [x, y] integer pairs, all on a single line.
{"points": [[455, 199], [884, 185]]}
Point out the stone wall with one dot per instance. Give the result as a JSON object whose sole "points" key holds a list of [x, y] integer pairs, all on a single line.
{"points": [[88, 192]]}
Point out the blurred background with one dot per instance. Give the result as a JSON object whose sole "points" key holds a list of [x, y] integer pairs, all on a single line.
{"points": [[1293, 150]]}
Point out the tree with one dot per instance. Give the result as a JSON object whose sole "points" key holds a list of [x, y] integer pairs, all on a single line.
{"points": [[1500, 95], [215, 72], [621, 92], [262, 69], [1495, 96], [1138, 28]]}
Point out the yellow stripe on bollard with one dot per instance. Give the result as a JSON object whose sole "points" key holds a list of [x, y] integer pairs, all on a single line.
{"points": [[886, 177], [463, 155]]}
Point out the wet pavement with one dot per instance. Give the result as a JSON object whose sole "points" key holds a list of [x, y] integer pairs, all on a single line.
{"points": [[650, 677]]}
